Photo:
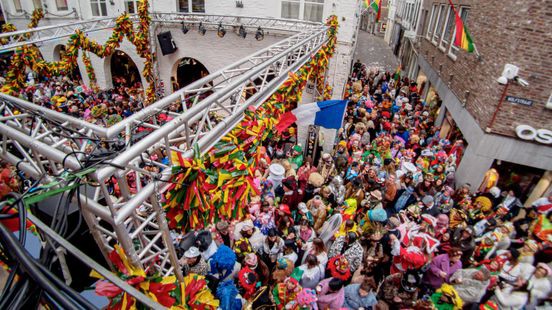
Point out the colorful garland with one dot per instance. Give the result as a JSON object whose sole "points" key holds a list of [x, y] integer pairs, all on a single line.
{"points": [[220, 184], [190, 294], [36, 16], [29, 56]]}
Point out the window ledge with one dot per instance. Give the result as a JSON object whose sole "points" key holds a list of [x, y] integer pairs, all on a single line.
{"points": [[452, 56]]}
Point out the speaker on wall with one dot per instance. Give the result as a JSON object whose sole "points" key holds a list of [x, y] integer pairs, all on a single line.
{"points": [[166, 43]]}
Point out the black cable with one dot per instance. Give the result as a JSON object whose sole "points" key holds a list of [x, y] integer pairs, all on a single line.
{"points": [[66, 289], [16, 302], [17, 252]]}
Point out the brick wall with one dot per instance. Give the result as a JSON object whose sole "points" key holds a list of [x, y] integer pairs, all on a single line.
{"points": [[504, 31]]}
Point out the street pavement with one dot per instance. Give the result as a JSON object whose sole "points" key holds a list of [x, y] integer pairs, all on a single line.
{"points": [[373, 51]]}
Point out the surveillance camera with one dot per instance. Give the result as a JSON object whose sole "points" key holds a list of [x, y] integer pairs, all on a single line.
{"points": [[502, 80], [521, 81]]}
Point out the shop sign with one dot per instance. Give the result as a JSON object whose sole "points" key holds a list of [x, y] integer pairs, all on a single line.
{"points": [[526, 132], [518, 100]]}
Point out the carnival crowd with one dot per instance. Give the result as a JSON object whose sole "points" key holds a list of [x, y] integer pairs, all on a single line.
{"points": [[378, 223]]}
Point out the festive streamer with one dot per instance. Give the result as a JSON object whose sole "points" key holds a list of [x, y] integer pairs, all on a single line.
{"points": [[36, 16], [29, 55], [220, 184], [166, 290]]}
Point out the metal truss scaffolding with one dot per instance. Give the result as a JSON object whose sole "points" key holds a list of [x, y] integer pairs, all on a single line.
{"points": [[44, 142]]}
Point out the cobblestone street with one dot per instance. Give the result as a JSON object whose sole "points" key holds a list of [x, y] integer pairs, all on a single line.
{"points": [[373, 51]]}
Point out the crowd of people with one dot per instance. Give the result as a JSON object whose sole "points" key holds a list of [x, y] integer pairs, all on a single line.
{"points": [[378, 223], [69, 95]]}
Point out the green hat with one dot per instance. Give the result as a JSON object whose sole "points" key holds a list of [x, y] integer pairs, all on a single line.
{"points": [[298, 148], [297, 274]]}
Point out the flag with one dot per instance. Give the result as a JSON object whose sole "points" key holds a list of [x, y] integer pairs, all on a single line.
{"points": [[462, 39], [397, 75], [375, 5], [327, 114]]}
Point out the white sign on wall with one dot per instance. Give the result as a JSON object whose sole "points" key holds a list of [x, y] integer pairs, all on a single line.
{"points": [[526, 132]]}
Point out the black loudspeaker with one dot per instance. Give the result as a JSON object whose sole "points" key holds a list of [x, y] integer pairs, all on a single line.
{"points": [[166, 43]]}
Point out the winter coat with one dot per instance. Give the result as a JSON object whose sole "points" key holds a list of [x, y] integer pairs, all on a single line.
{"points": [[354, 301], [440, 263], [470, 290], [329, 300], [353, 253], [274, 252], [311, 276]]}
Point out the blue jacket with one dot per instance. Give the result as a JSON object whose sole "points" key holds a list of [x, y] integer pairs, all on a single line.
{"points": [[354, 301]]}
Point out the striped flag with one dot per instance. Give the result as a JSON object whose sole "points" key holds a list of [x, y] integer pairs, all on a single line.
{"points": [[375, 5], [462, 39]]}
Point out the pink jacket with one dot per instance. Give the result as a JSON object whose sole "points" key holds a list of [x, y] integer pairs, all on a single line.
{"points": [[328, 300]]}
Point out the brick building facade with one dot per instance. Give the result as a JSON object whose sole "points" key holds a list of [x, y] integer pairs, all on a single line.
{"points": [[504, 32]]}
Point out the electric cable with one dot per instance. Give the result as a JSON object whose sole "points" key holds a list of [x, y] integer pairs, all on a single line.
{"points": [[16, 251]]}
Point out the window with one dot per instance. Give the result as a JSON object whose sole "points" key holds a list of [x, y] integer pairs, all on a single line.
{"points": [[439, 24], [447, 31], [183, 6], [311, 10], [131, 6], [37, 4], [432, 19], [464, 11], [61, 5], [314, 10], [17, 5], [198, 6], [195, 6], [290, 9], [99, 7]]}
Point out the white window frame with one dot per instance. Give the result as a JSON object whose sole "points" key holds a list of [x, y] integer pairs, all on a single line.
{"points": [[190, 7], [453, 48], [302, 8], [37, 4], [62, 8], [435, 40], [99, 4], [429, 33], [315, 3], [299, 12], [443, 47], [134, 4]]}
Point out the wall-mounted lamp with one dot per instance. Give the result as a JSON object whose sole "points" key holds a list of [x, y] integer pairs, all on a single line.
{"points": [[510, 73], [239, 4], [111, 2]]}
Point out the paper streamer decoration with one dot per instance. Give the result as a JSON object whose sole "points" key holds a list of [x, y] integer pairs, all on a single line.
{"points": [[220, 184], [29, 55], [190, 294]]}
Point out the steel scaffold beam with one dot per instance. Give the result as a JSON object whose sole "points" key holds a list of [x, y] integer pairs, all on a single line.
{"points": [[64, 30], [211, 107]]}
